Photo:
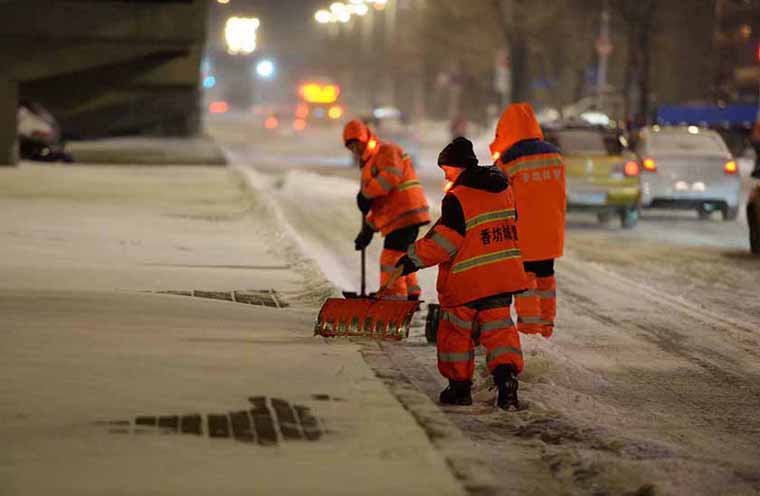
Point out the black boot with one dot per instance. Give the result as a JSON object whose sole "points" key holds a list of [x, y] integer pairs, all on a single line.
{"points": [[458, 393], [505, 378]]}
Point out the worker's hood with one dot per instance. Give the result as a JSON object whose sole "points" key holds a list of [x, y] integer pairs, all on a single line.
{"points": [[517, 123], [489, 178]]}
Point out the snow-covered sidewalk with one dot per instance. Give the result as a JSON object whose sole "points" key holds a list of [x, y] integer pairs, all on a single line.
{"points": [[114, 388]]}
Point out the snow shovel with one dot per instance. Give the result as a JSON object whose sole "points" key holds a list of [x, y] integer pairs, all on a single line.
{"points": [[366, 315]]}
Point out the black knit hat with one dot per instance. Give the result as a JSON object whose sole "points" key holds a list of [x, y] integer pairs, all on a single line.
{"points": [[458, 153]]}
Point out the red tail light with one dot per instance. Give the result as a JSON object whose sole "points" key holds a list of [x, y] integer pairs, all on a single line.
{"points": [[271, 122], [299, 124], [650, 165], [631, 168], [730, 167], [218, 107]]}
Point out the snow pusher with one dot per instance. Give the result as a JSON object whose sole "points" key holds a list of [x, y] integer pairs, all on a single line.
{"points": [[366, 315]]}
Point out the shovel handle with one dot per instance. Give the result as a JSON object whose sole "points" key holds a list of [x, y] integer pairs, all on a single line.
{"points": [[394, 277], [364, 273]]}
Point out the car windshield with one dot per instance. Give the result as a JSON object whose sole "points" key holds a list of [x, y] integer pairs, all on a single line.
{"points": [[580, 142], [685, 142]]}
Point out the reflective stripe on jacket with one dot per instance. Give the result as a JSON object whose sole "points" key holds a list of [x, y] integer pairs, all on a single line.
{"points": [[389, 179], [486, 261]]}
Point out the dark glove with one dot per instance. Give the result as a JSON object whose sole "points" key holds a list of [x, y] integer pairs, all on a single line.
{"points": [[364, 238], [407, 264], [363, 203]]}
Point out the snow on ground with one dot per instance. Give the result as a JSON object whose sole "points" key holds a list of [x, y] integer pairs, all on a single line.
{"points": [[651, 381]]}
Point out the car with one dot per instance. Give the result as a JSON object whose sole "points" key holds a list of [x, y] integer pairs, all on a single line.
{"points": [[391, 124], [603, 176], [39, 135], [688, 167]]}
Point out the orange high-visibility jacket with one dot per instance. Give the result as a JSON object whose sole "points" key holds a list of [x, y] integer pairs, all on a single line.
{"points": [[536, 173], [485, 261], [398, 200]]}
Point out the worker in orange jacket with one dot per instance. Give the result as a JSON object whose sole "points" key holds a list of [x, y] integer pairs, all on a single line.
{"points": [[536, 173], [392, 201], [475, 246]]}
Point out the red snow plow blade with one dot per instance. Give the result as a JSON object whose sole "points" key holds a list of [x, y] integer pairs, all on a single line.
{"points": [[364, 316], [368, 316]]}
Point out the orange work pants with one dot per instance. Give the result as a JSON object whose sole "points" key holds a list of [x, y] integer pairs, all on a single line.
{"points": [[456, 348]]}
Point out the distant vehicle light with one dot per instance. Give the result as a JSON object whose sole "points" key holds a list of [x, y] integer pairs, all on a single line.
{"points": [[209, 82], [682, 186], [265, 69], [302, 111], [693, 130], [698, 186], [730, 167], [335, 112], [656, 128], [650, 165], [631, 169], [271, 122], [218, 107], [316, 93], [299, 124]]}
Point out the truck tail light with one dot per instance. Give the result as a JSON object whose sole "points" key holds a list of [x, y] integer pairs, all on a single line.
{"points": [[631, 168], [650, 165], [730, 167]]}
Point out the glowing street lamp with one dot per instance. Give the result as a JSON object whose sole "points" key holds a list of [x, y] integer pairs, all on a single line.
{"points": [[323, 16], [240, 35]]}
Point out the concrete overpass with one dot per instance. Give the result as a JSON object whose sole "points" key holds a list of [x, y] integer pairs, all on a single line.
{"points": [[102, 67]]}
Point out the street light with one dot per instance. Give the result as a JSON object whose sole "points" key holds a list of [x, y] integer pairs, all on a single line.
{"points": [[265, 69], [342, 12], [322, 16], [240, 35]]}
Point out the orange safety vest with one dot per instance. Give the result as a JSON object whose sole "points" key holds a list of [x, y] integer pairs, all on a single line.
{"points": [[399, 201], [536, 173], [488, 261]]}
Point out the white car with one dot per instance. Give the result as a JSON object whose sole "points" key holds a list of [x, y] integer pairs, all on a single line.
{"points": [[687, 167]]}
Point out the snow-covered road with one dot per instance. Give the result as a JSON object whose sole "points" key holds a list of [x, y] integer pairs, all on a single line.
{"points": [[652, 380]]}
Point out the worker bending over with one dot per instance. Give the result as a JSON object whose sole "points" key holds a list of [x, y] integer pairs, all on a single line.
{"points": [[391, 200]]}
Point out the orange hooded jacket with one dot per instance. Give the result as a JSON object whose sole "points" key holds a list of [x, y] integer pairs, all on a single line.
{"points": [[536, 173], [389, 179]]}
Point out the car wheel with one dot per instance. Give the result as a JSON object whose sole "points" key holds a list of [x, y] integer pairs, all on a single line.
{"points": [[753, 219], [704, 213], [629, 218], [603, 217], [729, 213]]}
